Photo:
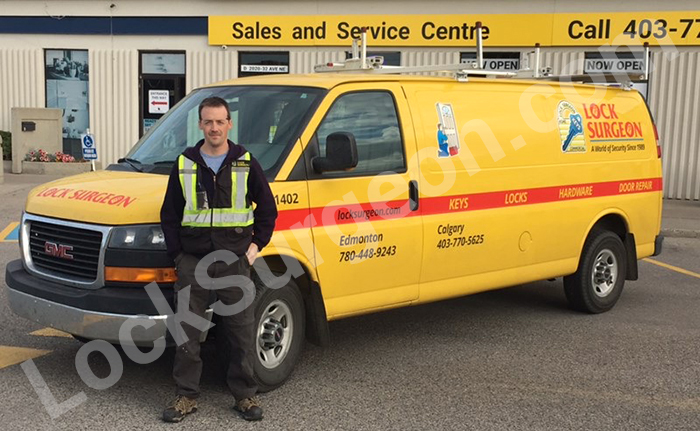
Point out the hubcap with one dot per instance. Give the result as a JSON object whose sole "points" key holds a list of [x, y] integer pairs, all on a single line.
{"points": [[604, 273], [275, 332]]}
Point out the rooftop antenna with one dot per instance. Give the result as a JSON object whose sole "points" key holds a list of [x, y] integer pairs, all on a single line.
{"points": [[363, 39], [647, 59], [536, 69], [479, 46]]}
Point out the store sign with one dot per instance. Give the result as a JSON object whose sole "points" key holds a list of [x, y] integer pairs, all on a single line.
{"points": [[259, 68], [158, 101], [611, 63], [562, 29], [501, 62]]}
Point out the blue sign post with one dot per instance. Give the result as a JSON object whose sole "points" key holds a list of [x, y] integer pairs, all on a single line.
{"points": [[89, 149]]}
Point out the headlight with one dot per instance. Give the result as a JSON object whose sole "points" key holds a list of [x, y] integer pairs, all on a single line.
{"points": [[144, 237]]}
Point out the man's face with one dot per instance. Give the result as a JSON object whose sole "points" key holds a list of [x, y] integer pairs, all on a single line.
{"points": [[215, 125]]}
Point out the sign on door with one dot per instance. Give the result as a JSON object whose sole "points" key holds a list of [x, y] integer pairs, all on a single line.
{"points": [[158, 101]]}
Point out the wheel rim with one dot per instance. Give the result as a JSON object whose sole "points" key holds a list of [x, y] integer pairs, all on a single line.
{"points": [[275, 333], [604, 273]]}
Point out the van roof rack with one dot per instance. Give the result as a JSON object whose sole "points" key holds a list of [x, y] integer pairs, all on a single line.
{"points": [[598, 78], [359, 62]]}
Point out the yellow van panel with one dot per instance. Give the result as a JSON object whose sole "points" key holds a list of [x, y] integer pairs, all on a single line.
{"points": [[509, 195], [101, 197]]}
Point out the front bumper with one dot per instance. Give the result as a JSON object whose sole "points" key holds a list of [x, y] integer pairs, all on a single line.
{"points": [[84, 323], [93, 314]]}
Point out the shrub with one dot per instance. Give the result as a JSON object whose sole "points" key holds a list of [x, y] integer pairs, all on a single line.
{"points": [[6, 138]]}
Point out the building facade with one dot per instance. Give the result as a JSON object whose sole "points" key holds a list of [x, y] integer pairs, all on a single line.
{"points": [[116, 66]]}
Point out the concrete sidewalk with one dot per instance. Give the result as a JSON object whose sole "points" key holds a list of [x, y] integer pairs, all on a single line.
{"points": [[680, 218]]}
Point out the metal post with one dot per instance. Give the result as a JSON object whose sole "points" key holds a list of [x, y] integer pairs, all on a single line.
{"points": [[479, 46], [92, 162], [647, 60], [355, 50], [364, 47], [536, 72]]}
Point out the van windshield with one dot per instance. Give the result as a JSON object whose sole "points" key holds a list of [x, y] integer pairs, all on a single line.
{"points": [[266, 121]]}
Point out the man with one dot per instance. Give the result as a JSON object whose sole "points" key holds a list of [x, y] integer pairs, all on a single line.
{"points": [[208, 207]]}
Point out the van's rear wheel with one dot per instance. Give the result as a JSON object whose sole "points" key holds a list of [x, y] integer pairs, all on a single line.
{"points": [[597, 284]]}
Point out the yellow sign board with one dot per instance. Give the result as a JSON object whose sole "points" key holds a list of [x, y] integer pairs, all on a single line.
{"points": [[508, 30], [628, 28]]}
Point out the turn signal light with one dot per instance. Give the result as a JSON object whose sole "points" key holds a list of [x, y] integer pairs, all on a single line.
{"points": [[140, 275]]}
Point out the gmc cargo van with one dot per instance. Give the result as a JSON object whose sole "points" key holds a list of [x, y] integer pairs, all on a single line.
{"points": [[392, 191]]}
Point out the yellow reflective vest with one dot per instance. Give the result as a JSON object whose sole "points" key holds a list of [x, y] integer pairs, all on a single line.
{"points": [[197, 212]]}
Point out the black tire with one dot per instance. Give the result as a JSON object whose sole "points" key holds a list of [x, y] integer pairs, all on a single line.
{"points": [[597, 284], [272, 303], [270, 376]]}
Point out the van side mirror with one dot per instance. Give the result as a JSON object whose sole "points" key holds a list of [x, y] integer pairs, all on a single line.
{"points": [[341, 153]]}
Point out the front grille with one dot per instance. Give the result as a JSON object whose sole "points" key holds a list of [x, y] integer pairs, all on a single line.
{"points": [[82, 244]]}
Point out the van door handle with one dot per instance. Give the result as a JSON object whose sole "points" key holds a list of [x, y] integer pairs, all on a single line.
{"points": [[413, 195]]}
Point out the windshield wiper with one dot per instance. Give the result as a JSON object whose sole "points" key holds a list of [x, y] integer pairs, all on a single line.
{"points": [[164, 162], [131, 162]]}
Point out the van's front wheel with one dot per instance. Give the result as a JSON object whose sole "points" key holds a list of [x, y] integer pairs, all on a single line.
{"points": [[597, 284], [280, 321], [279, 334]]}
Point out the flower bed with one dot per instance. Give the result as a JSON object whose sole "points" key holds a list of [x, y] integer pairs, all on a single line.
{"points": [[43, 156], [43, 163]]}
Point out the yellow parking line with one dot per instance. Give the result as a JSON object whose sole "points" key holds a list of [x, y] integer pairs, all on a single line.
{"points": [[51, 332], [7, 231], [673, 268], [14, 355]]}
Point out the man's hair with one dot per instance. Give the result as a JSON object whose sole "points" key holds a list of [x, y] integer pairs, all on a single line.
{"points": [[214, 102]]}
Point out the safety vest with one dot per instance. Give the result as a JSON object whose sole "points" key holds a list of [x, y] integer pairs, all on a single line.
{"points": [[197, 212]]}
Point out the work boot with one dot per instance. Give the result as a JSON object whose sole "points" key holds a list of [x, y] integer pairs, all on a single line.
{"points": [[181, 407], [249, 409]]}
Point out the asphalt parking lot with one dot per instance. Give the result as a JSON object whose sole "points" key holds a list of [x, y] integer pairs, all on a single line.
{"points": [[514, 359]]}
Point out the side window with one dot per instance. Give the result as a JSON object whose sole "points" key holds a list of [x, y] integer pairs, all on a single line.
{"points": [[371, 117]]}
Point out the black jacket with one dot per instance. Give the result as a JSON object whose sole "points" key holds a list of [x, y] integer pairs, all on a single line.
{"points": [[200, 240]]}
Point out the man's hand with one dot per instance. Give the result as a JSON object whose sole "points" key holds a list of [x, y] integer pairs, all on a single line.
{"points": [[252, 253]]}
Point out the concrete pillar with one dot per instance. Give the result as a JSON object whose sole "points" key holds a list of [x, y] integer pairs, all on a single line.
{"points": [[34, 129]]}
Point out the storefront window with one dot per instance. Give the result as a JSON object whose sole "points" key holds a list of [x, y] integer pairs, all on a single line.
{"points": [[624, 63], [262, 63], [614, 62], [496, 61], [390, 58], [67, 79]]}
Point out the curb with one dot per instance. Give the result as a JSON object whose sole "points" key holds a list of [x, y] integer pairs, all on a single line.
{"points": [[680, 233]]}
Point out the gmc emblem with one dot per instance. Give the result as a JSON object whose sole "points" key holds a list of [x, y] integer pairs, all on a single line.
{"points": [[58, 250]]}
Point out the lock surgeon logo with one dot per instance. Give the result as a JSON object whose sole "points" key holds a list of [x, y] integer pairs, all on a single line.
{"points": [[570, 124]]}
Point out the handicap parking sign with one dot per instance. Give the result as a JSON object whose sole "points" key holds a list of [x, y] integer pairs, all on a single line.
{"points": [[89, 150]]}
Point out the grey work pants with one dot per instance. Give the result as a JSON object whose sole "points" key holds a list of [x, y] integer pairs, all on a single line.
{"points": [[239, 330]]}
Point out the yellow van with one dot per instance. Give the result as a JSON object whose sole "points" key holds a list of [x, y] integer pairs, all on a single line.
{"points": [[392, 191]]}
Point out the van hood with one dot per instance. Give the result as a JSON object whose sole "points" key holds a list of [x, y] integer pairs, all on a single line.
{"points": [[102, 197]]}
